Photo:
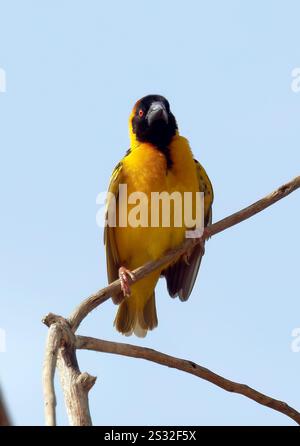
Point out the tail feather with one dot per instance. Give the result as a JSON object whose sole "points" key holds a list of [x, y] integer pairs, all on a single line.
{"points": [[149, 313], [132, 318]]}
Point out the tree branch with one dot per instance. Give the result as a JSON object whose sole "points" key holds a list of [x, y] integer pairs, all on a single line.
{"points": [[52, 346], [75, 384], [104, 294], [133, 351], [4, 418]]}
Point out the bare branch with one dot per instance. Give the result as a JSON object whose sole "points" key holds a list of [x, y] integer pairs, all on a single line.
{"points": [[75, 384], [52, 346], [260, 205], [133, 351], [4, 418], [104, 294]]}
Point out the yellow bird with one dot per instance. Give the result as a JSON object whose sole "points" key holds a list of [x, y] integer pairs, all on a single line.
{"points": [[159, 160]]}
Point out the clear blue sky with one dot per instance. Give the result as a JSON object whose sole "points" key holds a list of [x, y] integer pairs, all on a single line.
{"points": [[74, 70]]}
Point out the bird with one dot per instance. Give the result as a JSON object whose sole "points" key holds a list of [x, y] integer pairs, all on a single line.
{"points": [[159, 160]]}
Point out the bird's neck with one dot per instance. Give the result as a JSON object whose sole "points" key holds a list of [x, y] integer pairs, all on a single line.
{"points": [[164, 148]]}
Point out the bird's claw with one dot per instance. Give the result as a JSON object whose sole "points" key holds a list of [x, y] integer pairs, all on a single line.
{"points": [[125, 275], [186, 257], [201, 239]]}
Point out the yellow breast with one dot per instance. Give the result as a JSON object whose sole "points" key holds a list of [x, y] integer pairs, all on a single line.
{"points": [[145, 170]]}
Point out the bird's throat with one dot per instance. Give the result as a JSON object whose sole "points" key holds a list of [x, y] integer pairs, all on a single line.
{"points": [[165, 150]]}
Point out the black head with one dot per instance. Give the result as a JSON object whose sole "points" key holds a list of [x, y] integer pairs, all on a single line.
{"points": [[153, 121]]}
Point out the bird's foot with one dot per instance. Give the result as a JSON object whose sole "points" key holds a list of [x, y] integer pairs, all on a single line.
{"points": [[196, 241], [125, 275], [186, 256], [201, 239]]}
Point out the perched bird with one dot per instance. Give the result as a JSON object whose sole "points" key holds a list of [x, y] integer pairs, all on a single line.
{"points": [[159, 160]]}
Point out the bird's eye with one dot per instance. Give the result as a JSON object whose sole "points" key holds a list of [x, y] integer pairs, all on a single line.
{"points": [[141, 113]]}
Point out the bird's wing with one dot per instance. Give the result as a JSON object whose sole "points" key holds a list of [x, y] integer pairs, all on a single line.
{"points": [[205, 186], [112, 255], [181, 276]]}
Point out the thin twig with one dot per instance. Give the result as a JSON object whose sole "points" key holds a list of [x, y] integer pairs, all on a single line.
{"points": [[133, 351], [104, 294]]}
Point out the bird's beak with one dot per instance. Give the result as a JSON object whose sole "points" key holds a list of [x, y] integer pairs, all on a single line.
{"points": [[157, 112]]}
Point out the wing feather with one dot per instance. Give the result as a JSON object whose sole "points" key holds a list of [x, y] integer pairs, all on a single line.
{"points": [[112, 255], [181, 276]]}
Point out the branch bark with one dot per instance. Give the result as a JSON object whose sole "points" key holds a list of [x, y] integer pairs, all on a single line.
{"points": [[52, 346], [133, 351], [104, 294], [75, 385]]}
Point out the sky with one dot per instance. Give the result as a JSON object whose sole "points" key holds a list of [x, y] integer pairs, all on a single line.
{"points": [[73, 71]]}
